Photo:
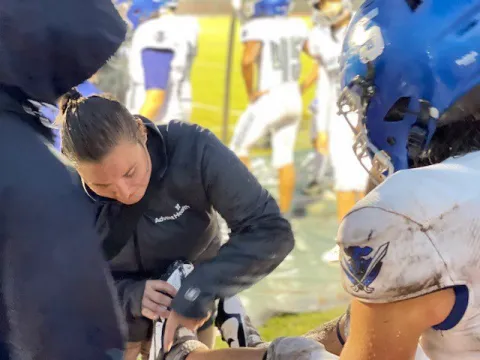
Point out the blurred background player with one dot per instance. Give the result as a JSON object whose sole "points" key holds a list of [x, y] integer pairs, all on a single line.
{"points": [[317, 164], [331, 18], [273, 43], [163, 48]]}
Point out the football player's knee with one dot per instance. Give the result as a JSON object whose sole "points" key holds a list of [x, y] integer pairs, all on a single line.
{"points": [[344, 183], [181, 351], [280, 162], [282, 157], [299, 348], [186, 342], [349, 174]]}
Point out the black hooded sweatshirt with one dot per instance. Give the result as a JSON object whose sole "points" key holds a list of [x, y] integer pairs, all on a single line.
{"points": [[56, 299], [195, 175]]}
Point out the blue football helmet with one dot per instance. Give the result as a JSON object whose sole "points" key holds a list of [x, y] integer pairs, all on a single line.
{"points": [[263, 8], [140, 10], [408, 67]]}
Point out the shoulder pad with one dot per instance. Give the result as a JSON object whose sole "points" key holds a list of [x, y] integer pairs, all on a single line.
{"points": [[387, 256]]}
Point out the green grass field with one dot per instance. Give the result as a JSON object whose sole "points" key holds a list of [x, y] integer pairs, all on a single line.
{"points": [[291, 324], [208, 80]]}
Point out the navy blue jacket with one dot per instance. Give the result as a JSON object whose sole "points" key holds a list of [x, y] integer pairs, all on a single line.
{"points": [[197, 175], [56, 299]]}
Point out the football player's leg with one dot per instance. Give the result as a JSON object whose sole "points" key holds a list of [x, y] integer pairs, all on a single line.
{"points": [[139, 336], [250, 127], [322, 120], [333, 334], [186, 105], [349, 176], [145, 349], [312, 186], [132, 350], [285, 348], [326, 107], [185, 99], [171, 110], [283, 147], [320, 126], [207, 335], [313, 109], [207, 332], [288, 103]]}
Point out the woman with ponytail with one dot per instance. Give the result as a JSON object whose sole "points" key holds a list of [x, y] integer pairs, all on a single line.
{"points": [[183, 175]]}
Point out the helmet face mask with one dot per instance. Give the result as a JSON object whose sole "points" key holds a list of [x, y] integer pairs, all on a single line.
{"points": [[352, 105]]}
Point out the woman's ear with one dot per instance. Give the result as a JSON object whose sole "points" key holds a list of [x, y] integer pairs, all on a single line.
{"points": [[142, 130]]}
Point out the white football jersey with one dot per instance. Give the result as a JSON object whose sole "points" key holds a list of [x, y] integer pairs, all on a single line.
{"points": [[417, 233], [168, 32], [326, 47], [282, 41]]}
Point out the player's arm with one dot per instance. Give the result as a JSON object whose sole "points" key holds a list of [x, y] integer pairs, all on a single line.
{"points": [[399, 281], [156, 65], [332, 335], [251, 52], [392, 331]]}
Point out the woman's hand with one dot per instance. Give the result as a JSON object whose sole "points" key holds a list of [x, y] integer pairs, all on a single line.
{"points": [[156, 299]]}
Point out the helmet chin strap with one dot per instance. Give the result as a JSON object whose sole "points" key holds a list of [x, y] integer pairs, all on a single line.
{"points": [[419, 133]]}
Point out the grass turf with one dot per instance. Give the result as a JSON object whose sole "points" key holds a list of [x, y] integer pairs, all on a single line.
{"points": [[291, 324]]}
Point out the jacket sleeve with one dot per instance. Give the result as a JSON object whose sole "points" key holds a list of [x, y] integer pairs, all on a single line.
{"points": [[260, 237], [130, 293], [57, 298]]}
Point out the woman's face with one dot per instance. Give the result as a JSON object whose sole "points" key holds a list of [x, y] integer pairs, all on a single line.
{"points": [[122, 175]]}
